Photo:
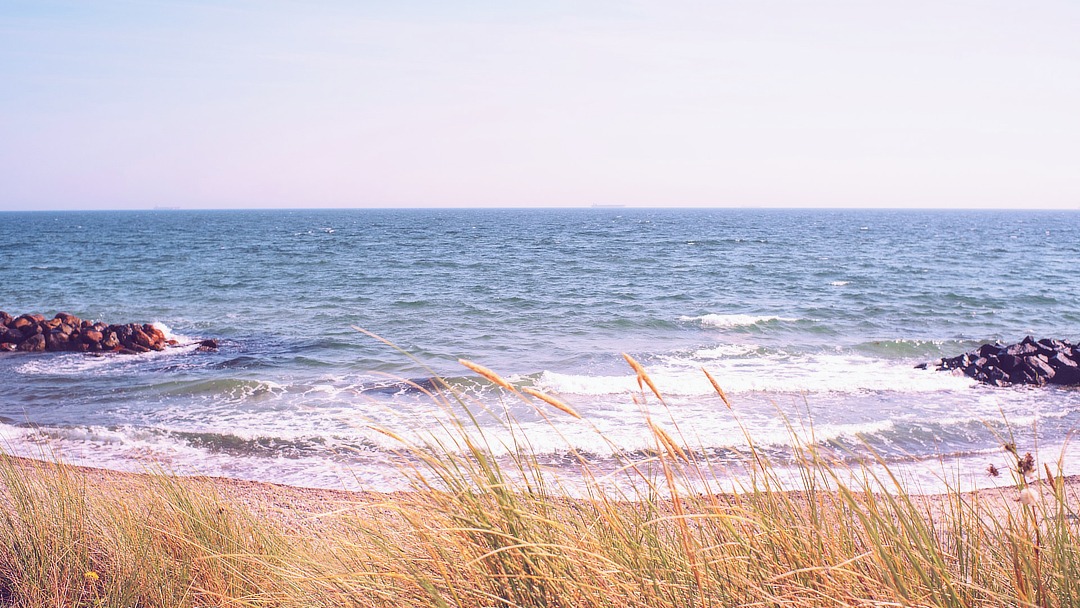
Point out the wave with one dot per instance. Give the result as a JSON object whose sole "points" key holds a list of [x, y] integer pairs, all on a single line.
{"points": [[307, 461], [229, 389], [733, 320], [778, 372], [922, 350], [95, 364]]}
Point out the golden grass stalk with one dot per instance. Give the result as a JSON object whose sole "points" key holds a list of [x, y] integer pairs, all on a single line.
{"points": [[716, 387], [487, 373], [669, 444], [552, 401], [642, 377]]}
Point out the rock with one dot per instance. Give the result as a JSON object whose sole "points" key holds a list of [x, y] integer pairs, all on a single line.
{"points": [[110, 341], [68, 319], [1061, 360], [8, 334], [33, 344], [1030, 361], [207, 345], [139, 337], [1043, 371], [1066, 376], [58, 339], [66, 332], [92, 335], [1022, 349]]}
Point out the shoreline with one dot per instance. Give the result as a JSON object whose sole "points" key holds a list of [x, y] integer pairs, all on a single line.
{"points": [[292, 505]]}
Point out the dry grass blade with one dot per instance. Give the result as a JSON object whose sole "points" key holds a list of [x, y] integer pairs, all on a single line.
{"points": [[487, 373], [642, 376], [389, 433], [552, 401], [716, 387], [669, 443]]}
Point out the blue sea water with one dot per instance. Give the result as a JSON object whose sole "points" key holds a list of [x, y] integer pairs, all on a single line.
{"points": [[811, 318]]}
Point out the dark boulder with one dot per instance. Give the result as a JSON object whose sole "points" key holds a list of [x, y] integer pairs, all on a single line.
{"points": [[58, 339], [1030, 361], [1066, 376], [139, 337], [68, 318], [1060, 360], [33, 344], [66, 332], [92, 336], [110, 341], [10, 334], [207, 345]]}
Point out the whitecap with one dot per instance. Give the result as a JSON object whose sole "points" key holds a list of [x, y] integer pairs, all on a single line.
{"points": [[733, 320], [681, 376]]}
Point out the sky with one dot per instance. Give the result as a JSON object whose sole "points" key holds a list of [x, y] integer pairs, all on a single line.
{"points": [[673, 103]]}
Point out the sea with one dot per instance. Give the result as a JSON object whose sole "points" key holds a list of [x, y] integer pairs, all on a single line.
{"points": [[336, 326]]}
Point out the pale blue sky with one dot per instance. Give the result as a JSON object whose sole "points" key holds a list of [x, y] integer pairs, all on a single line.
{"points": [[124, 104]]}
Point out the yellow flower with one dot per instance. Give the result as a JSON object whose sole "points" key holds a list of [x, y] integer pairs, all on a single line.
{"points": [[91, 576]]}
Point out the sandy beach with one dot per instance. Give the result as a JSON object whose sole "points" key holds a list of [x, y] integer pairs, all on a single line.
{"points": [[316, 510]]}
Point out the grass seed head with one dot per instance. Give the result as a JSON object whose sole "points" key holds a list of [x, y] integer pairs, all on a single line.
{"points": [[552, 401], [487, 373]]}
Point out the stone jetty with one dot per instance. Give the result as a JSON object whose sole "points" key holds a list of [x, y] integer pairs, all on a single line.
{"points": [[1030, 361], [66, 332]]}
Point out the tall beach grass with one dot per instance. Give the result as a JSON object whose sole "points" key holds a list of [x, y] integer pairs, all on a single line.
{"points": [[483, 529]]}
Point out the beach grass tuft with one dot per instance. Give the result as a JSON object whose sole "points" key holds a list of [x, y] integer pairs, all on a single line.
{"points": [[482, 528]]}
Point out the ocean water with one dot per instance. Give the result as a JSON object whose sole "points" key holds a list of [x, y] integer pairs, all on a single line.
{"points": [[810, 320]]}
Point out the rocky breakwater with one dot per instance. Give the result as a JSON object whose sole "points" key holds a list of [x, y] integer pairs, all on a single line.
{"points": [[66, 332], [1031, 361]]}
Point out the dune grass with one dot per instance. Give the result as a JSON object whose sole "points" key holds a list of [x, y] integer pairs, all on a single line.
{"points": [[481, 530]]}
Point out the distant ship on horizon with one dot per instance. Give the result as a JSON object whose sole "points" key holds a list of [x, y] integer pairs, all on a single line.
{"points": [[607, 206]]}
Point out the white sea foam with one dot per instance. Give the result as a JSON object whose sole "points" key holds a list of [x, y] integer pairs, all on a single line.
{"points": [[138, 450], [727, 350], [171, 335], [732, 320], [78, 364], [840, 283], [819, 373]]}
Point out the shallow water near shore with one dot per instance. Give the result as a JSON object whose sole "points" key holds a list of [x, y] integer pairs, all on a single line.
{"points": [[808, 318]]}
